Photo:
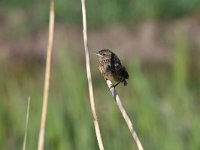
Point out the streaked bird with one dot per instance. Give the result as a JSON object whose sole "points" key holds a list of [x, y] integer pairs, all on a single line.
{"points": [[111, 68]]}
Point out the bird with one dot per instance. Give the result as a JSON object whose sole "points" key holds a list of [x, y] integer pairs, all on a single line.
{"points": [[111, 68]]}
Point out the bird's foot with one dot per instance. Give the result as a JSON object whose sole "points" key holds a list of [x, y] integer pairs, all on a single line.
{"points": [[113, 86]]}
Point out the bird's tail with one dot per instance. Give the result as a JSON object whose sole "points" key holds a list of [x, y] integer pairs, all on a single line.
{"points": [[125, 83]]}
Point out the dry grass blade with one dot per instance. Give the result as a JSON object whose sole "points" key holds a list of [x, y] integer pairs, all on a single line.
{"points": [[125, 115], [47, 77], [26, 126], [96, 125]]}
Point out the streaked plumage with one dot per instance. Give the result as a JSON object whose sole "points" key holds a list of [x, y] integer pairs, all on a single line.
{"points": [[111, 68]]}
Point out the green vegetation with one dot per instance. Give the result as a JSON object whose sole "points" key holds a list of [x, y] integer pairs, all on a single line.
{"points": [[104, 12], [159, 101]]}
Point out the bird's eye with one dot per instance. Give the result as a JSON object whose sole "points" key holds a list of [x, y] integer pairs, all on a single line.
{"points": [[104, 54]]}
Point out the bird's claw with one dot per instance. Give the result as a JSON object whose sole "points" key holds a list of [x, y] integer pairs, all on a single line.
{"points": [[112, 86]]}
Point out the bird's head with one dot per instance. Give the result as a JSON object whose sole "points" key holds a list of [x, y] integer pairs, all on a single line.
{"points": [[104, 54]]}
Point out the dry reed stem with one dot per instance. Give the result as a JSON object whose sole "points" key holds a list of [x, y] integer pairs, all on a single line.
{"points": [[47, 77], [125, 115], [96, 125], [26, 125]]}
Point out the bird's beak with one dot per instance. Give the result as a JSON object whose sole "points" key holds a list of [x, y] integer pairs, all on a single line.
{"points": [[98, 54]]}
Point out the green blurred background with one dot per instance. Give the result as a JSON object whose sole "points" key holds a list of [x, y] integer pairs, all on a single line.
{"points": [[157, 40]]}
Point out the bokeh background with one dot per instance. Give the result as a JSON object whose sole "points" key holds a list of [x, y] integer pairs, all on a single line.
{"points": [[159, 43]]}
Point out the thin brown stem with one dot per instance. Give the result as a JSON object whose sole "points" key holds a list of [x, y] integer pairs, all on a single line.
{"points": [[47, 77], [26, 126], [125, 115], [92, 103]]}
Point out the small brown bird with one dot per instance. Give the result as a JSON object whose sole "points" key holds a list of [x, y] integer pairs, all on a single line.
{"points": [[111, 67]]}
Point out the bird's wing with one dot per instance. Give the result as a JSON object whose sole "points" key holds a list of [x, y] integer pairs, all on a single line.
{"points": [[121, 70], [112, 61], [110, 69]]}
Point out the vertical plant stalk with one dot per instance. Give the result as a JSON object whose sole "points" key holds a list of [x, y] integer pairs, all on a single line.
{"points": [[95, 120], [26, 125], [124, 114], [47, 77]]}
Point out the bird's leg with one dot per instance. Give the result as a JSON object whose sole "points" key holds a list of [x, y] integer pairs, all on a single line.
{"points": [[116, 84], [113, 86]]}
